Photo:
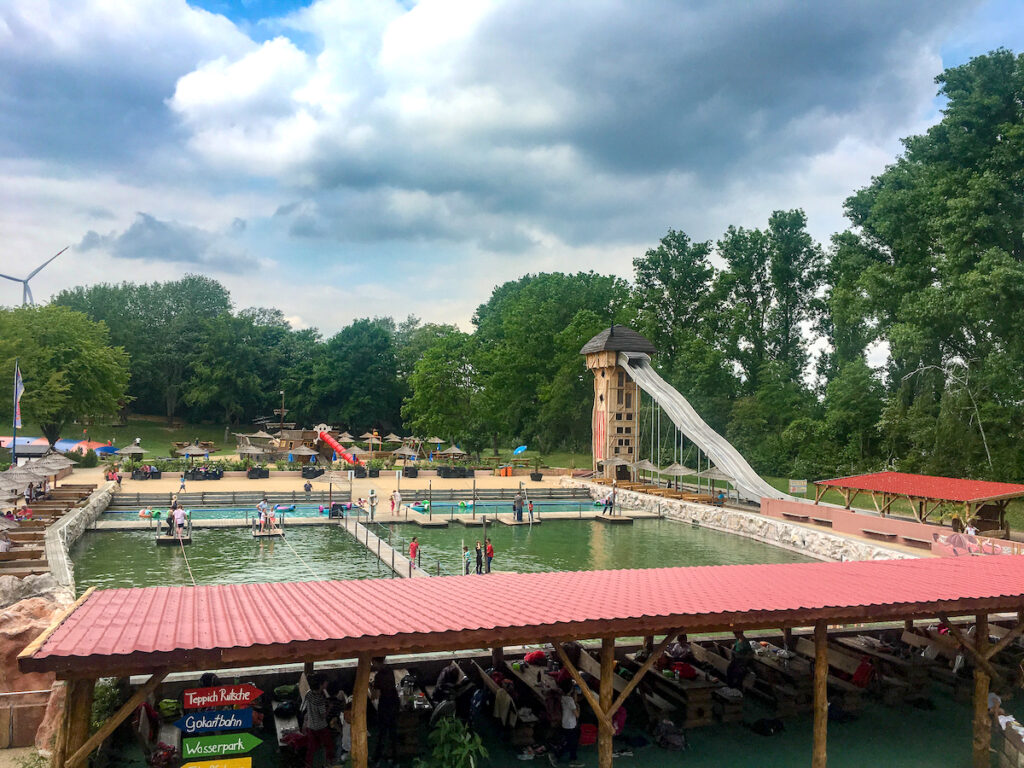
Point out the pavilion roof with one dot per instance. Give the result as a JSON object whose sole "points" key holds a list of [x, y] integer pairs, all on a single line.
{"points": [[927, 487], [126, 631]]}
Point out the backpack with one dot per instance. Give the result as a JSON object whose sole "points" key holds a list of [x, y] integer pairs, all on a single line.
{"points": [[668, 736]]}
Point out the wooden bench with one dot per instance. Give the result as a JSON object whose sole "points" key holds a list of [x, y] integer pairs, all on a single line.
{"points": [[783, 697], [824, 521], [21, 553], [879, 534], [915, 542], [794, 516], [852, 695]]}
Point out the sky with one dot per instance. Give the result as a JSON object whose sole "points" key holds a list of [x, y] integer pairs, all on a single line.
{"points": [[353, 158]]}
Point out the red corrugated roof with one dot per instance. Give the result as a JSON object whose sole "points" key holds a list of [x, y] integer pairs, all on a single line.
{"points": [[243, 623], [927, 486]]}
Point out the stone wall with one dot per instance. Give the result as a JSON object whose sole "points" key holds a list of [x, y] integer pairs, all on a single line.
{"points": [[65, 532], [819, 544]]}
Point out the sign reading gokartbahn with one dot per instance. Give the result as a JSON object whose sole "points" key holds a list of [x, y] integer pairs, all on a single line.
{"points": [[231, 762], [216, 746], [215, 720], [221, 696]]}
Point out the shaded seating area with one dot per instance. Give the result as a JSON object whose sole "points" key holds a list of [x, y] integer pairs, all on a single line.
{"points": [[981, 503], [323, 621]]}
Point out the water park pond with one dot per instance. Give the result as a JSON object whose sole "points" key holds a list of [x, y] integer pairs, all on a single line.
{"points": [[230, 556]]}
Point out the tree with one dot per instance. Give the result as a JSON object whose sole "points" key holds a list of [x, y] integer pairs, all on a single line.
{"points": [[70, 370]]}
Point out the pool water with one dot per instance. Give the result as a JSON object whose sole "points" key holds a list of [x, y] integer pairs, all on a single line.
{"points": [[505, 507], [233, 513], [573, 545], [108, 559]]}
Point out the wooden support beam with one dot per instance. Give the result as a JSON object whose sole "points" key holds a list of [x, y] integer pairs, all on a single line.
{"points": [[307, 668], [578, 678], [60, 741], [360, 746], [638, 675], [605, 729], [77, 714], [94, 741], [1005, 640], [874, 500], [819, 491], [982, 726], [819, 756], [787, 638], [886, 507], [972, 648]]}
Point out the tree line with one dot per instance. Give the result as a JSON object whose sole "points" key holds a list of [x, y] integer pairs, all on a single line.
{"points": [[898, 343]]}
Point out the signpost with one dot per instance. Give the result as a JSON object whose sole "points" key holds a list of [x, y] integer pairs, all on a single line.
{"points": [[215, 720], [798, 487], [221, 696], [219, 745], [231, 762]]}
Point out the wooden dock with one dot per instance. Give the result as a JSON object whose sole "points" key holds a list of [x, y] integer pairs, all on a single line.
{"points": [[273, 532], [512, 521], [439, 523], [614, 519], [172, 541]]}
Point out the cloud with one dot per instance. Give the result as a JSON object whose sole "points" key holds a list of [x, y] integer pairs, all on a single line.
{"points": [[150, 239]]}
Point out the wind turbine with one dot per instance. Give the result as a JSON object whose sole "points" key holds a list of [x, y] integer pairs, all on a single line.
{"points": [[26, 294]]}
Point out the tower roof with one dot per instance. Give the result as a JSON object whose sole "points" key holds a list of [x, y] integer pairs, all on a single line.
{"points": [[618, 338]]}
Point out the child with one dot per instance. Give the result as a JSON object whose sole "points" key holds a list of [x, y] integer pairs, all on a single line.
{"points": [[465, 556]]}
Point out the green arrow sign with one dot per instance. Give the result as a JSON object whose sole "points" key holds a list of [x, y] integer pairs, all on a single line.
{"points": [[216, 746]]}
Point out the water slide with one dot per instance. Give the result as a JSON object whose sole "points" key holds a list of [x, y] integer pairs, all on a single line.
{"points": [[338, 448], [748, 483]]}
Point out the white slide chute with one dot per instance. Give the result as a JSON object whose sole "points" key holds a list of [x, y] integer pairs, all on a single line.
{"points": [[748, 483]]}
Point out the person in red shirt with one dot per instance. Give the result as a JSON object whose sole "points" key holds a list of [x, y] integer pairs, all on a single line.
{"points": [[489, 551], [414, 547]]}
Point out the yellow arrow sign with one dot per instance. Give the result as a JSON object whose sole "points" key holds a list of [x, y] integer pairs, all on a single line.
{"points": [[233, 762]]}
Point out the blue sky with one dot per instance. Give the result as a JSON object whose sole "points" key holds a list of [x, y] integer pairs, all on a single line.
{"points": [[347, 158]]}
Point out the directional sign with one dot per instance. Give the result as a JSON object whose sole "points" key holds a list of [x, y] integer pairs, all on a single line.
{"points": [[221, 696], [215, 720], [218, 746], [231, 762]]}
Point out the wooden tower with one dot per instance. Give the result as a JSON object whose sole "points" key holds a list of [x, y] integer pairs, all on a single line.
{"points": [[616, 396]]}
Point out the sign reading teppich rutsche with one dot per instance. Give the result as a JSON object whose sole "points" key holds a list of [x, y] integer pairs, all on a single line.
{"points": [[219, 745], [215, 720], [230, 762], [221, 696]]}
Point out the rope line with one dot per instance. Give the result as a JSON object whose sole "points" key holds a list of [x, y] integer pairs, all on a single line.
{"points": [[299, 557], [182, 545]]}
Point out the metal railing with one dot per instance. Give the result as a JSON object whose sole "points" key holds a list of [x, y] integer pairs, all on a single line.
{"points": [[129, 501]]}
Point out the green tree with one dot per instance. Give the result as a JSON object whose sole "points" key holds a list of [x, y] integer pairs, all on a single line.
{"points": [[71, 371]]}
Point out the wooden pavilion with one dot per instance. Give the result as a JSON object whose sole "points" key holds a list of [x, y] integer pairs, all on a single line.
{"points": [[159, 630], [982, 500]]}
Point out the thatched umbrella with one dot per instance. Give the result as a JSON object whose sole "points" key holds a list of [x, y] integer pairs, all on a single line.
{"points": [[345, 437], [391, 437], [251, 450], [644, 465], [453, 451], [192, 451], [714, 473], [355, 450], [131, 451], [261, 435], [303, 450], [435, 441], [677, 470]]}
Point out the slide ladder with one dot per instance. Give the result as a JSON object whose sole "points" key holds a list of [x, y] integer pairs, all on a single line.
{"points": [[749, 484]]}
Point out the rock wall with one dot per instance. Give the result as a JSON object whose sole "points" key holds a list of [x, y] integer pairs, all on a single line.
{"points": [[65, 532], [819, 544]]}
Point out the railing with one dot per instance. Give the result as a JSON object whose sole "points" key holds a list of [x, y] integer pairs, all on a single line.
{"points": [[398, 542], [497, 494], [278, 522]]}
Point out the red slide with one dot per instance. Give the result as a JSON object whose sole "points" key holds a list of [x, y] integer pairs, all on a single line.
{"points": [[339, 449]]}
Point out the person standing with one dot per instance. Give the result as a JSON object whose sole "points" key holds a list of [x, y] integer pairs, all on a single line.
{"points": [[373, 503], [383, 689], [490, 554], [316, 725], [179, 521], [529, 505], [261, 510], [465, 557], [479, 559], [414, 548], [308, 488], [181, 488], [570, 727]]}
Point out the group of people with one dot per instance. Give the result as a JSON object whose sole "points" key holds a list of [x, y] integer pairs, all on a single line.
{"points": [[519, 504], [267, 515], [36, 492], [176, 517], [484, 556]]}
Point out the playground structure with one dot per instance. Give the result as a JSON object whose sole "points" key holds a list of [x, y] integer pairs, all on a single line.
{"points": [[338, 448], [621, 362]]}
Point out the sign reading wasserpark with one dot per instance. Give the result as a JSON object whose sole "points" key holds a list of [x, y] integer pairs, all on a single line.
{"points": [[221, 696], [219, 745], [232, 762], [215, 720]]}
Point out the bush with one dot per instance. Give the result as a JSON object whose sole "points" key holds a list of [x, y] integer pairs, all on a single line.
{"points": [[86, 460]]}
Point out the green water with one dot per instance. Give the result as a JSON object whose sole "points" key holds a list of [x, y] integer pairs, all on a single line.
{"points": [[219, 556], [575, 545], [231, 556]]}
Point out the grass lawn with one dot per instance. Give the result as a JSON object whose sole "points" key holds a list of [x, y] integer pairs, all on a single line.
{"points": [[156, 437]]}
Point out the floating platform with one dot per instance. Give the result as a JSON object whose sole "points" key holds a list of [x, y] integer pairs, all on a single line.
{"points": [[512, 521], [275, 533], [614, 519], [425, 523], [470, 523], [172, 541]]}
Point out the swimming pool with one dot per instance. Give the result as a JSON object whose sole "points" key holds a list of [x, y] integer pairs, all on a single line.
{"points": [[235, 513]]}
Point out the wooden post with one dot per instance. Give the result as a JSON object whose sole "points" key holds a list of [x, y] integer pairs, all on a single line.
{"points": [[982, 725], [819, 757], [60, 742], [908, 625], [82, 753], [497, 657], [360, 747], [787, 638], [648, 643], [605, 733], [307, 668], [77, 713]]}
